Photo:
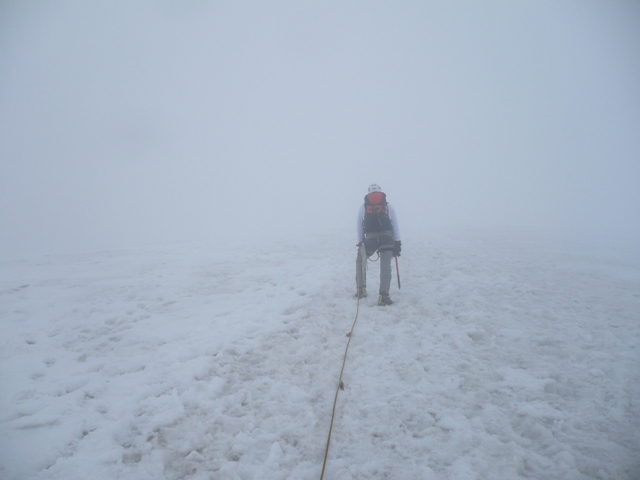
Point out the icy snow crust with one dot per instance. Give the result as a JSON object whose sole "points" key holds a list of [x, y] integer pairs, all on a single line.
{"points": [[503, 357]]}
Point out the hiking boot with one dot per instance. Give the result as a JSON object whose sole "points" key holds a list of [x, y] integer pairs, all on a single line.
{"points": [[361, 293], [384, 300]]}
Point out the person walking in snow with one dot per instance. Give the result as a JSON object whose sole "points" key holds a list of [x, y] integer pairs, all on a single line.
{"points": [[377, 231]]}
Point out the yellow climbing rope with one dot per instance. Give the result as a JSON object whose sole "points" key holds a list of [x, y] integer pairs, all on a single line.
{"points": [[339, 387]]}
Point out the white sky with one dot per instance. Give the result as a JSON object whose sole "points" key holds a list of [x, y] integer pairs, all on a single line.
{"points": [[128, 122]]}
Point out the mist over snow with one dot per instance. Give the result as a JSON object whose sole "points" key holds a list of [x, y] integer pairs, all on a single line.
{"points": [[138, 122], [179, 184]]}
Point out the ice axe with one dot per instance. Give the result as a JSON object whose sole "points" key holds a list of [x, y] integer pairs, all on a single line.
{"points": [[398, 271]]}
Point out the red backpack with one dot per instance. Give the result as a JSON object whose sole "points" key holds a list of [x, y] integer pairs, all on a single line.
{"points": [[376, 213]]}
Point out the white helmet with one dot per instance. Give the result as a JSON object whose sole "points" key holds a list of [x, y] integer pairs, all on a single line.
{"points": [[374, 187]]}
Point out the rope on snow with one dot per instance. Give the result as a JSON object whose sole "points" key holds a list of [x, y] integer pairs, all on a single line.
{"points": [[340, 387], [344, 361]]}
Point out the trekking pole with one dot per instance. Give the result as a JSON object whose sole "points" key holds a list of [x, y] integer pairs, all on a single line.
{"points": [[398, 271]]}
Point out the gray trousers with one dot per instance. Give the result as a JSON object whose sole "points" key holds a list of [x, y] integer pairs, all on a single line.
{"points": [[378, 242]]}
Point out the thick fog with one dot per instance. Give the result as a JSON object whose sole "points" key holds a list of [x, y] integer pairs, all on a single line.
{"points": [[132, 122]]}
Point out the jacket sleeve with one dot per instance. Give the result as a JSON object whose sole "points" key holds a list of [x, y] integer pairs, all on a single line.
{"points": [[394, 223], [359, 227]]}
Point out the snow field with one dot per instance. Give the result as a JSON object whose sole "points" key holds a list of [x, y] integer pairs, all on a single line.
{"points": [[503, 357]]}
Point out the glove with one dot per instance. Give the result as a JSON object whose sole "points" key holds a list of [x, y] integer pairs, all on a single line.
{"points": [[397, 248]]}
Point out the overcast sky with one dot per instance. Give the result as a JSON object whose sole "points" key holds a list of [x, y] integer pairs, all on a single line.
{"points": [[128, 122]]}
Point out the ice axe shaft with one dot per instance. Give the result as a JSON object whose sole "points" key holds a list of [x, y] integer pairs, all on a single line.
{"points": [[398, 272]]}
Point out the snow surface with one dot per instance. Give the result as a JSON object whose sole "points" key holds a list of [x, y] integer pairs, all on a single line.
{"points": [[505, 356]]}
